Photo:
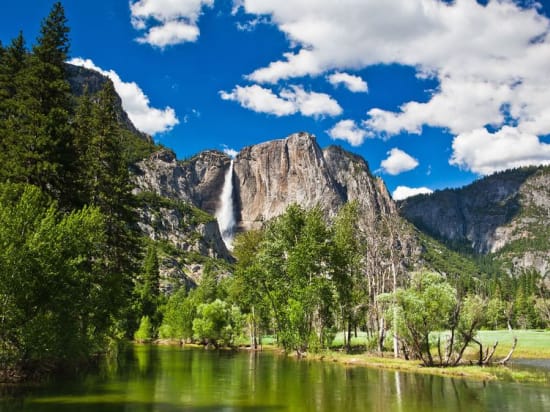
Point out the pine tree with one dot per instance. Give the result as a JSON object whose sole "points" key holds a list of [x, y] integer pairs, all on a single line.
{"points": [[109, 188], [83, 131], [38, 131], [12, 63], [149, 288]]}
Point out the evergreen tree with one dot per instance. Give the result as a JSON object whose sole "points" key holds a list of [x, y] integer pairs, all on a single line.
{"points": [[40, 143], [12, 63], [149, 288], [109, 188], [83, 130]]}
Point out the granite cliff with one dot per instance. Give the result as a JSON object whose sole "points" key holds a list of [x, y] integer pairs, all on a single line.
{"points": [[270, 176], [267, 178], [505, 215]]}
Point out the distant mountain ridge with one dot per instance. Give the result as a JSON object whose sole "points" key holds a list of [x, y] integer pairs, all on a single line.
{"points": [[505, 215]]}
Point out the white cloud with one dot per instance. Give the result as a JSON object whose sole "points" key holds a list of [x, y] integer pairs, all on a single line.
{"points": [[232, 153], [311, 103], [167, 22], [170, 33], [353, 83], [259, 99], [485, 153], [347, 130], [491, 61], [398, 162], [403, 192], [289, 101], [136, 104]]}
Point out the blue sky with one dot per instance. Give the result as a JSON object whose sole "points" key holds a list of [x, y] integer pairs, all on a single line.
{"points": [[432, 94]]}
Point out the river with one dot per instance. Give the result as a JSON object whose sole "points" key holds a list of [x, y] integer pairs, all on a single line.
{"points": [[169, 379]]}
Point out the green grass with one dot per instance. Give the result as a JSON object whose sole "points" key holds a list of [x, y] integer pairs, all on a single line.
{"points": [[531, 343]]}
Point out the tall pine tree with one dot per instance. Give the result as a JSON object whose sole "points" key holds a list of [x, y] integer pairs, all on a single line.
{"points": [[109, 188], [38, 134], [12, 62]]}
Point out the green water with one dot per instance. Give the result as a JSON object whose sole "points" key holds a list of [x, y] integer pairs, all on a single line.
{"points": [[176, 379]]}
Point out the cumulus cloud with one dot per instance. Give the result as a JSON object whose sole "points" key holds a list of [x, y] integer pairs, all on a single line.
{"points": [[167, 22], [134, 101], [483, 152], [490, 61], [311, 103], [353, 83], [289, 101], [398, 162], [349, 131], [232, 153], [259, 99], [403, 192]]}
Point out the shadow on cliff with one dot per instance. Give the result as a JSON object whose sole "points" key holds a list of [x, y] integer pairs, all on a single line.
{"points": [[466, 219]]}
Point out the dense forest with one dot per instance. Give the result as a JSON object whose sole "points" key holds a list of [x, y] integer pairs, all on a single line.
{"points": [[77, 276], [71, 252]]}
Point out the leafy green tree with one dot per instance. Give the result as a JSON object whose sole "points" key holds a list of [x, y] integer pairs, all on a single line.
{"points": [[426, 306], [346, 265], [496, 313], [217, 323], [145, 331], [245, 287], [293, 274], [55, 301], [178, 315]]}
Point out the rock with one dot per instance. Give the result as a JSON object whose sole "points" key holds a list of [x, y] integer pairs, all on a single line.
{"points": [[81, 79], [272, 175], [506, 215]]}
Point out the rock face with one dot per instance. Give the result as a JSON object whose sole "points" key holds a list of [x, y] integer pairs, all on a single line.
{"points": [[198, 180], [272, 175], [506, 214], [267, 178], [178, 203], [81, 79]]}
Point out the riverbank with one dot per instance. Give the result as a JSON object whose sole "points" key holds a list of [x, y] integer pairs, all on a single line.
{"points": [[388, 362], [475, 372]]}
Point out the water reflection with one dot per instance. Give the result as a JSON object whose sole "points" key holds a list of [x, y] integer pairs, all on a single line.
{"points": [[174, 379]]}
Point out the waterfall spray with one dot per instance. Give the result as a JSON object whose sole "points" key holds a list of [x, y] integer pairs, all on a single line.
{"points": [[226, 213]]}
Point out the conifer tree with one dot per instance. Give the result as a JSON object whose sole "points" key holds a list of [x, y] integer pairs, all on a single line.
{"points": [[149, 288], [12, 63], [38, 132], [109, 188]]}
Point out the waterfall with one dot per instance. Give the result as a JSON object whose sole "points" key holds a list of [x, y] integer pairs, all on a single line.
{"points": [[226, 213]]}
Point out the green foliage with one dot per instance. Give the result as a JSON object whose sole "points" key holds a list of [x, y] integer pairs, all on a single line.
{"points": [[178, 315], [56, 302], [192, 214], [145, 330], [34, 118], [288, 275], [147, 289], [424, 307], [346, 266], [68, 282], [217, 323]]}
